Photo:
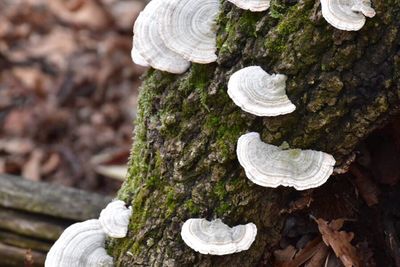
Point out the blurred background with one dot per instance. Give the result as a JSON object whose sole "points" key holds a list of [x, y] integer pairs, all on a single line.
{"points": [[68, 90]]}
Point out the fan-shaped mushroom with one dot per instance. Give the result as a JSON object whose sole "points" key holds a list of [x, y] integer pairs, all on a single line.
{"points": [[347, 15], [259, 93], [80, 245], [252, 5], [217, 238], [137, 58], [149, 45], [115, 219], [271, 166], [188, 27]]}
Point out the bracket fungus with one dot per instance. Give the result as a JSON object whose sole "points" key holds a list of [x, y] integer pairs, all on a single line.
{"points": [[80, 245], [137, 58], [252, 5], [347, 15], [149, 45], [115, 219], [271, 166], [189, 28], [216, 238], [259, 93]]}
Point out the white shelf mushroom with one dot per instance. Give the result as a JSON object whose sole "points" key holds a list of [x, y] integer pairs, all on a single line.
{"points": [[271, 166], [80, 245], [217, 238], [259, 93], [252, 5], [114, 219], [188, 27], [147, 43], [137, 58], [347, 15]]}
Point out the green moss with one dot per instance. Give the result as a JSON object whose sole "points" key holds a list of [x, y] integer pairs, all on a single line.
{"points": [[234, 29], [170, 201], [219, 190], [222, 209], [292, 21], [191, 207], [277, 10]]}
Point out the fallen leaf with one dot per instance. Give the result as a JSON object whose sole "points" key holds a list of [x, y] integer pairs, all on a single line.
{"points": [[318, 259], [339, 241], [89, 13], [284, 255], [299, 204], [365, 185], [305, 254], [51, 164], [31, 169]]}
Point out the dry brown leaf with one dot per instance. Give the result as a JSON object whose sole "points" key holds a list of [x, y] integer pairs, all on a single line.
{"points": [[284, 255], [51, 164], [31, 169], [339, 241], [89, 13], [365, 185], [56, 47], [305, 254], [319, 257], [16, 146], [32, 78], [299, 204]]}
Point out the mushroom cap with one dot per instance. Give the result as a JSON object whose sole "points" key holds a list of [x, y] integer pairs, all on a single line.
{"points": [[252, 5], [188, 27], [115, 219], [271, 166], [216, 238], [80, 245], [148, 43], [259, 93], [136, 57], [347, 15], [364, 7]]}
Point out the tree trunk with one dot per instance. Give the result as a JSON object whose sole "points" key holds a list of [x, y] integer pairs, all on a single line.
{"points": [[183, 163]]}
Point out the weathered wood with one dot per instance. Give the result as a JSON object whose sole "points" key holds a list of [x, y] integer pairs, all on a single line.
{"points": [[14, 257], [25, 242], [34, 214], [33, 225], [48, 199]]}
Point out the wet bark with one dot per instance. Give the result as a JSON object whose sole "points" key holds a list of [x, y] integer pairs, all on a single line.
{"points": [[183, 163]]}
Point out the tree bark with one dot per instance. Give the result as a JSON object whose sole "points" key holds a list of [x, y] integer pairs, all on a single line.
{"points": [[183, 162]]}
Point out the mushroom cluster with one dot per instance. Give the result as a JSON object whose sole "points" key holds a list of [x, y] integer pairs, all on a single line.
{"points": [[347, 15], [169, 34], [82, 244]]}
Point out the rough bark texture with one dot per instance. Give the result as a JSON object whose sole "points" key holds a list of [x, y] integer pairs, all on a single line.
{"points": [[183, 164]]}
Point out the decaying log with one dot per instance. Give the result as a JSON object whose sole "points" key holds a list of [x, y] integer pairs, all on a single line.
{"points": [[34, 214], [183, 163]]}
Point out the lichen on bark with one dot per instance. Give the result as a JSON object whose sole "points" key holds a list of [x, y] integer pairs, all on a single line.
{"points": [[183, 162]]}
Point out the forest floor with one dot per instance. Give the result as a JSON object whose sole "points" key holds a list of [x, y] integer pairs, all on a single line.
{"points": [[68, 89]]}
